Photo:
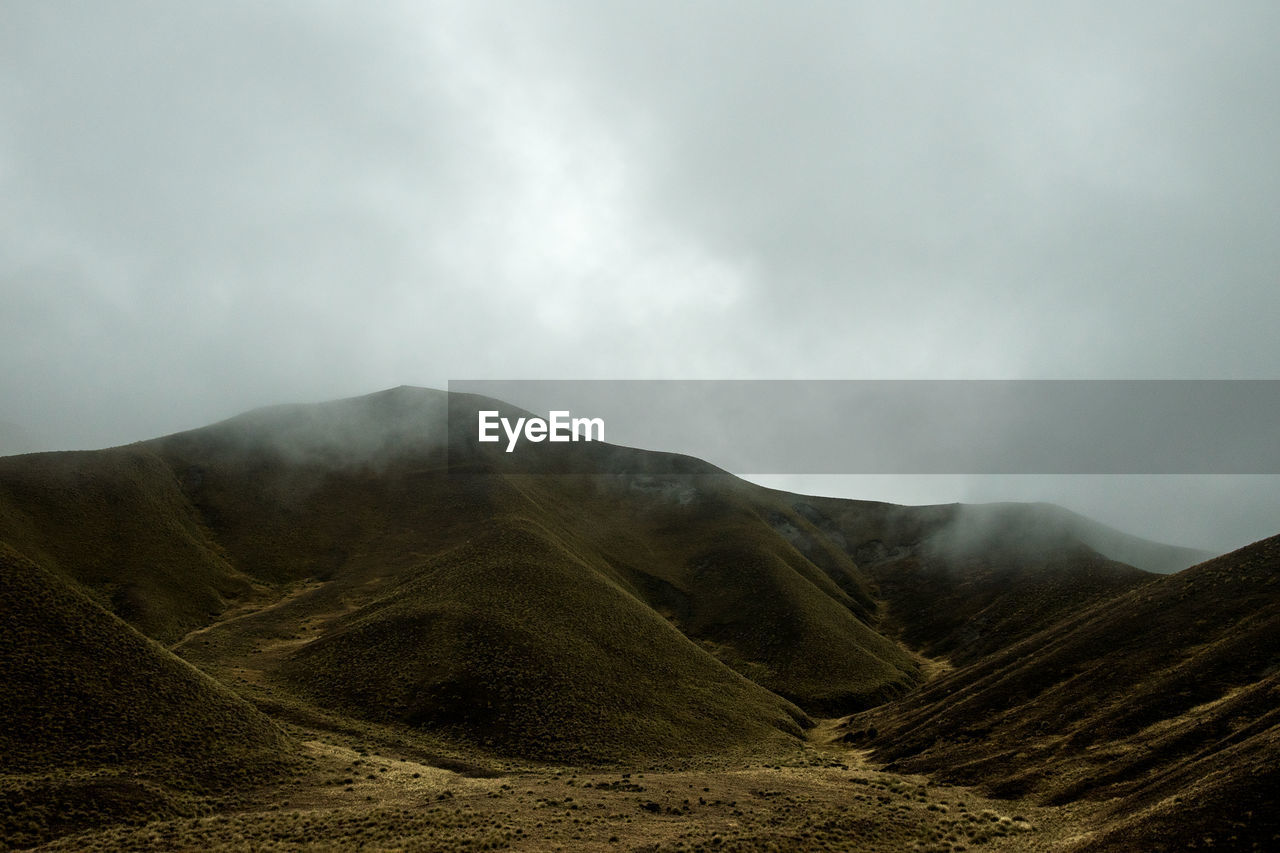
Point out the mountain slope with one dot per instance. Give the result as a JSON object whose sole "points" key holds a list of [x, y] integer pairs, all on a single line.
{"points": [[116, 523], [1170, 690], [511, 641], [964, 605], [358, 571], [103, 724], [726, 565], [961, 582], [361, 515], [677, 535]]}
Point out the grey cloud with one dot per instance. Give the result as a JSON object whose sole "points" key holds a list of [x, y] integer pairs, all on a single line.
{"points": [[208, 207], [1097, 173]]}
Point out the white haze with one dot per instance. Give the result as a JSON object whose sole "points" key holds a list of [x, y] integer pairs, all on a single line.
{"points": [[210, 207]]}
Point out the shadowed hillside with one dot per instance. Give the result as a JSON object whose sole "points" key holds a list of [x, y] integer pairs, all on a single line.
{"points": [[356, 499], [733, 569], [357, 573], [1166, 696], [513, 642], [102, 723], [647, 545], [116, 522], [965, 604], [961, 582]]}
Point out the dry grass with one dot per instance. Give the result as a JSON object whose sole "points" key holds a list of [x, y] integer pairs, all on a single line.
{"points": [[826, 801], [380, 652]]}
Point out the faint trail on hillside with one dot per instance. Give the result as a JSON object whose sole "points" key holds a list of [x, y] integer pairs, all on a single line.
{"points": [[243, 611]]}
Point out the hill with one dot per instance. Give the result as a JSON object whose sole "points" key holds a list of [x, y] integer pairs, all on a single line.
{"points": [[358, 573], [116, 523], [1164, 697], [366, 499], [512, 642], [102, 723], [963, 581], [682, 554]]}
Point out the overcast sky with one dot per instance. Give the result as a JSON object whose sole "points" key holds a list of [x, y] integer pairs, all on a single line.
{"points": [[206, 207]]}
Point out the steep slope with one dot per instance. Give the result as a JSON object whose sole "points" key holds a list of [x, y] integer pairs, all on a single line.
{"points": [[736, 571], [965, 604], [677, 535], [512, 641], [116, 523], [961, 582], [1164, 697], [102, 723], [360, 516]]}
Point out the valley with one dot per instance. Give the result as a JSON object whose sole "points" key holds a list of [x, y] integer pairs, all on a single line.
{"points": [[320, 627]]}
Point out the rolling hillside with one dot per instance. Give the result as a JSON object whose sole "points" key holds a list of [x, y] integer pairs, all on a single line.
{"points": [[1166, 697], [116, 523], [660, 570], [716, 578], [687, 561], [960, 582], [351, 572], [103, 724]]}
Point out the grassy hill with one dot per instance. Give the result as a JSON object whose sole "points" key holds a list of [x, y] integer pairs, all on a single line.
{"points": [[117, 523], [965, 605], [677, 536], [513, 642], [735, 570], [1164, 696], [719, 580], [102, 723], [354, 570], [961, 582]]}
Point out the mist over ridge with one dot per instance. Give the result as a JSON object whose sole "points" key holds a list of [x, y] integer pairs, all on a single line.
{"points": [[933, 350]]}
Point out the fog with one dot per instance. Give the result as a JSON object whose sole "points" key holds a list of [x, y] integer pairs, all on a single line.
{"points": [[210, 208]]}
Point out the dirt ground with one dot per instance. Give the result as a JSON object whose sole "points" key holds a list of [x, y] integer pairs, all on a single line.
{"points": [[352, 797], [357, 791]]}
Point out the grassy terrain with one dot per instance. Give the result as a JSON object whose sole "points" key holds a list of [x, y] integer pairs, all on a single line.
{"points": [[720, 561], [353, 797], [511, 642], [738, 572], [116, 523], [364, 632], [966, 605], [1165, 697], [102, 724], [963, 582]]}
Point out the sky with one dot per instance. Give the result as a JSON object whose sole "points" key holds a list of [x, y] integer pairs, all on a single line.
{"points": [[210, 207]]}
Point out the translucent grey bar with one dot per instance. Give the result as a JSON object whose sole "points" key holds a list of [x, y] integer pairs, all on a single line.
{"points": [[904, 426]]}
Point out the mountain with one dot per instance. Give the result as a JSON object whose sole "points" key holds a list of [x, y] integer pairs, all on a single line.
{"points": [[715, 604], [84, 692], [662, 571], [962, 581], [117, 524], [734, 587], [358, 571], [513, 641], [1165, 697]]}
